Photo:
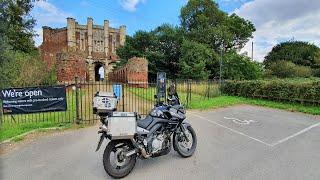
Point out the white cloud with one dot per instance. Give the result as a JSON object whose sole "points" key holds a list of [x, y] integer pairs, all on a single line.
{"points": [[130, 5], [46, 14], [278, 21]]}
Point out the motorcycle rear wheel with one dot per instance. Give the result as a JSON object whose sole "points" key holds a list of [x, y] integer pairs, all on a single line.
{"points": [[114, 161]]}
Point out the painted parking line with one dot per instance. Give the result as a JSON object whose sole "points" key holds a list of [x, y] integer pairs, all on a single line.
{"points": [[233, 130], [295, 134], [258, 140]]}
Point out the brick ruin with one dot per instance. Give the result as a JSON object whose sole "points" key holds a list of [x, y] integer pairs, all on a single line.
{"points": [[80, 50], [135, 73]]}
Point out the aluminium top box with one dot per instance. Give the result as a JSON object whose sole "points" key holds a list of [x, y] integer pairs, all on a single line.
{"points": [[104, 102], [122, 125]]}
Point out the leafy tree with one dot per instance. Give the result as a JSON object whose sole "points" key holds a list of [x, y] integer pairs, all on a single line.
{"points": [[191, 51], [204, 22], [161, 47], [20, 62], [237, 67], [16, 25], [169, 41], [297, 52], [193, 61], [24, 69]]}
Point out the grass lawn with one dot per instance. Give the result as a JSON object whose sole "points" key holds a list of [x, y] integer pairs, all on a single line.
{"points": [[224, 101], [11, 130], [203, 103]]}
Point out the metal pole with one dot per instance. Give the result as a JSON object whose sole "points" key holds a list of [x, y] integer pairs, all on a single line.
{"points": [[123, 85], [252, 51], [77, 101], [220, 76]]}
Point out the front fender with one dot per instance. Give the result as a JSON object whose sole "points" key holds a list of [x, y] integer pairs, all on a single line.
{"points": [[186, 124]]}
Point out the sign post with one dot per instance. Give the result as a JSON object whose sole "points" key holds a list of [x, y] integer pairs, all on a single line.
{"points": [[161, 86]]}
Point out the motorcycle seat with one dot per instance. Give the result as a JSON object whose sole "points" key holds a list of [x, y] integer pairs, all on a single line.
{"points": [[144, 123]]}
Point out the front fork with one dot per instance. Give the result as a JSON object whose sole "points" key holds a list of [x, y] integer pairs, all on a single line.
{"points": [[184, 129]]}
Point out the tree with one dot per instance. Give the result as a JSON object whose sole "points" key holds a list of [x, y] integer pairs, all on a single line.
{"points": [[160, 46], [193, 61], [203, 21], [297, 52], [16, 25], [24, 69], [169, 41], [191, 51], [20, 63], [237, 67]]}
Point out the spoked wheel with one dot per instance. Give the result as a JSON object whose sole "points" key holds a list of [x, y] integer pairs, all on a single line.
{"points": [[186, 146], [115, 162]]}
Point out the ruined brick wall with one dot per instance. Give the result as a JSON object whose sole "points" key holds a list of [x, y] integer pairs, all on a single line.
{"points": [[71, 65], [76, 49], [54, 41], [135, 72]]}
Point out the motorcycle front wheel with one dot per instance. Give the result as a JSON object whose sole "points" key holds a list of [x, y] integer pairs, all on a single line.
{"points": [[116, 164], [184, 147]]}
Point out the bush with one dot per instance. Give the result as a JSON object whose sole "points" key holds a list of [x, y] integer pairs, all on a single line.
{"points": [[303, 91], [316, 72], [20, 69], [287, 69], [237, 67]]}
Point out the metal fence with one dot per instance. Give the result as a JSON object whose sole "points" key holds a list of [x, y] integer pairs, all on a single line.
{"points": [[135, 97]]}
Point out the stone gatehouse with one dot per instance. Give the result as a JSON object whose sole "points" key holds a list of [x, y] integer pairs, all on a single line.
{"points": [[80, 50]]}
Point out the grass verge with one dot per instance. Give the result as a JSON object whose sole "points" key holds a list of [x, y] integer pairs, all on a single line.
{"points": [[11, 130], [224, 101], [202, 103]]}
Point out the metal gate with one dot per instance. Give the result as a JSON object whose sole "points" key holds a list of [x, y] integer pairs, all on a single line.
{"points": [[132, 97]]}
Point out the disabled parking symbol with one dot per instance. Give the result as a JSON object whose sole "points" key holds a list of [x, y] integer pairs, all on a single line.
{"points": [[240, 121]]}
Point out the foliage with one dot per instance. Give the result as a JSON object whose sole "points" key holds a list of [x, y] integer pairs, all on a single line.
{"points": [[22, 69], [277, 89], [161, 47], [287, 69], [297, 52], [237, 67], [194, 57], [316, 72], [20, 63], [16, 25], [191, 50], [204, 22]]}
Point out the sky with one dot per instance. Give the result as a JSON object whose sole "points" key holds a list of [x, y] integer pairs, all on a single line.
{"points": [[275, 20]]}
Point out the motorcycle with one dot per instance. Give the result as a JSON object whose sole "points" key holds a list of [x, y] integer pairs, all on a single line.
{"points": [[150, 137]]}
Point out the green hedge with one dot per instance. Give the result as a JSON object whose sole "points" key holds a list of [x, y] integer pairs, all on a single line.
{"points": [[302, 90]]}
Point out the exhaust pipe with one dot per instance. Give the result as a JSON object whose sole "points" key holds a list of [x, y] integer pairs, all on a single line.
{"points": [[142, 150], [132, 152], [144, 153]]}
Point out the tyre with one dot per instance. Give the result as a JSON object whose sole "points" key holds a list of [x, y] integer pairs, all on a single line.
{"points": [[182, 146], [115, 163]]}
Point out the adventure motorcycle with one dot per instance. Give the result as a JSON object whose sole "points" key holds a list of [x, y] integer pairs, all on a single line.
{"points": [[150, 137]]}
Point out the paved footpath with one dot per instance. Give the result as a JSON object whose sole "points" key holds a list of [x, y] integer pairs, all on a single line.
{"points": [[240, 142]]}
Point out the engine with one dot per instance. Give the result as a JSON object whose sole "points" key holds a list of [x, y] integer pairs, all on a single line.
{"points": [[159, 143]]}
